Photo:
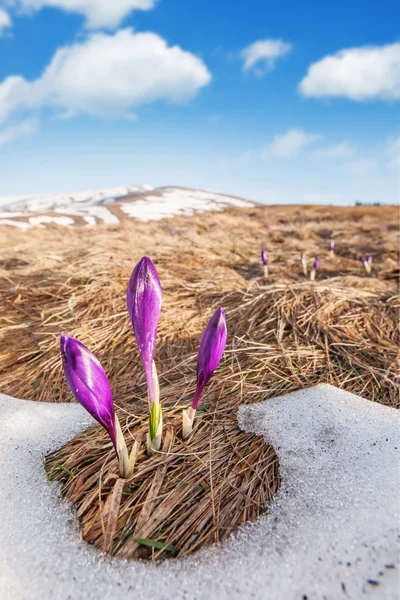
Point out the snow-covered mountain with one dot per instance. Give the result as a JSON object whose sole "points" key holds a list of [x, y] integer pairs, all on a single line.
{"points": [[110, 206]]}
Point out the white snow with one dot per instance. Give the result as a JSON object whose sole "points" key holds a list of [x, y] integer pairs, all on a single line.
{"points": [[18, 224], [176, 201], [332, 532], [49, 202], [41, 220]]}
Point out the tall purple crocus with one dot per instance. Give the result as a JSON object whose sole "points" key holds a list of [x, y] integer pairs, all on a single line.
{"points": [[89, 384], [313, 271], [143, 300], [212, 346]]}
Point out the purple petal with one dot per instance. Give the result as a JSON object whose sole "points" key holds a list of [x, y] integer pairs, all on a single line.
{"points": [[316, 263], [143, 298], [363, 260], [88, 382], [212, 347], [332, 245]]}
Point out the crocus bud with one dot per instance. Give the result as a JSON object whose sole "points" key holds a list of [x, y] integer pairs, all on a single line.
{"points": [[89, 384], [366, 263], [332, 247], [313, 271], [264, 259], [304, 263], [143, 300], [369, 259], [211, 349]]}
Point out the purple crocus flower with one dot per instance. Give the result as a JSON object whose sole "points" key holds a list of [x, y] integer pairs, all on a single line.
{"points": [[88, 383], [212, 346], [367, 263], [332, 246], [313, 271], [369, 259], [264, 257], [143, 300]]}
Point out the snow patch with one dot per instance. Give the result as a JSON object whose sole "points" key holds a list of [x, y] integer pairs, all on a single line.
{"points": [[332, 532], [41, 220], [175, 201]]}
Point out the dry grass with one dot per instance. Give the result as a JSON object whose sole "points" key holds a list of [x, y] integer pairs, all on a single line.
{"points": [[284, 333]]}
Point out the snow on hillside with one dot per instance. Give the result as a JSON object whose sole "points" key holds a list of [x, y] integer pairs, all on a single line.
{"points": [[51, 202], [177, 201], [111, 205]]}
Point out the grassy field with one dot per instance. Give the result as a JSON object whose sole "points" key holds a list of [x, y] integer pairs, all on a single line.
{"points": [[284, 333]]}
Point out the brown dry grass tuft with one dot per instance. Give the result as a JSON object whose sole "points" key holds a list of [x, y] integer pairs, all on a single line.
{"points": [[284, 333]]}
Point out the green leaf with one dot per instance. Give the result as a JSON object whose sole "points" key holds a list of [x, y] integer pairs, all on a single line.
{"points": [[203, 408], [155, 544]]}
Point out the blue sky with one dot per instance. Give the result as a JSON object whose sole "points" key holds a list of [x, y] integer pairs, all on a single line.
{"points": [[275, 101]]}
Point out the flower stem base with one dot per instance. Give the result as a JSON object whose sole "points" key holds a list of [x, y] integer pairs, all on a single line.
{"points": [[187, 422]]}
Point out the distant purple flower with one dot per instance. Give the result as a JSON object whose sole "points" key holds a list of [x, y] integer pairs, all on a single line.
{"points": [[88, 383], [143, 300], [264, 257], [332, 245], [212, 347], [316, 263], [367, 262]]}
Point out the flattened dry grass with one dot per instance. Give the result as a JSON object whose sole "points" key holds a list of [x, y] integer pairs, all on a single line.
{"points": [[285, 333]]}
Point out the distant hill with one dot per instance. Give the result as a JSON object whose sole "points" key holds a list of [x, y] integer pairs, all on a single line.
{"points": [[110, 206]]}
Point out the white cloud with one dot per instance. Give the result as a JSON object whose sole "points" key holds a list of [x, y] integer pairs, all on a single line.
{"points": [[340, 151], [22, 129], [366, 73], [108, 75], [289, 144], [98, 13], [361, 165], [264, 53], [393, 151], [5, 21]]}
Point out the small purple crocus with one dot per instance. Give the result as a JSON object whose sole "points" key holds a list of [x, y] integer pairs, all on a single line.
{"points": [[264, 259], [313, 271], [366, 263], [332, 246], [212, 346], [264, 256], [369, 259], [88, 383]]}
